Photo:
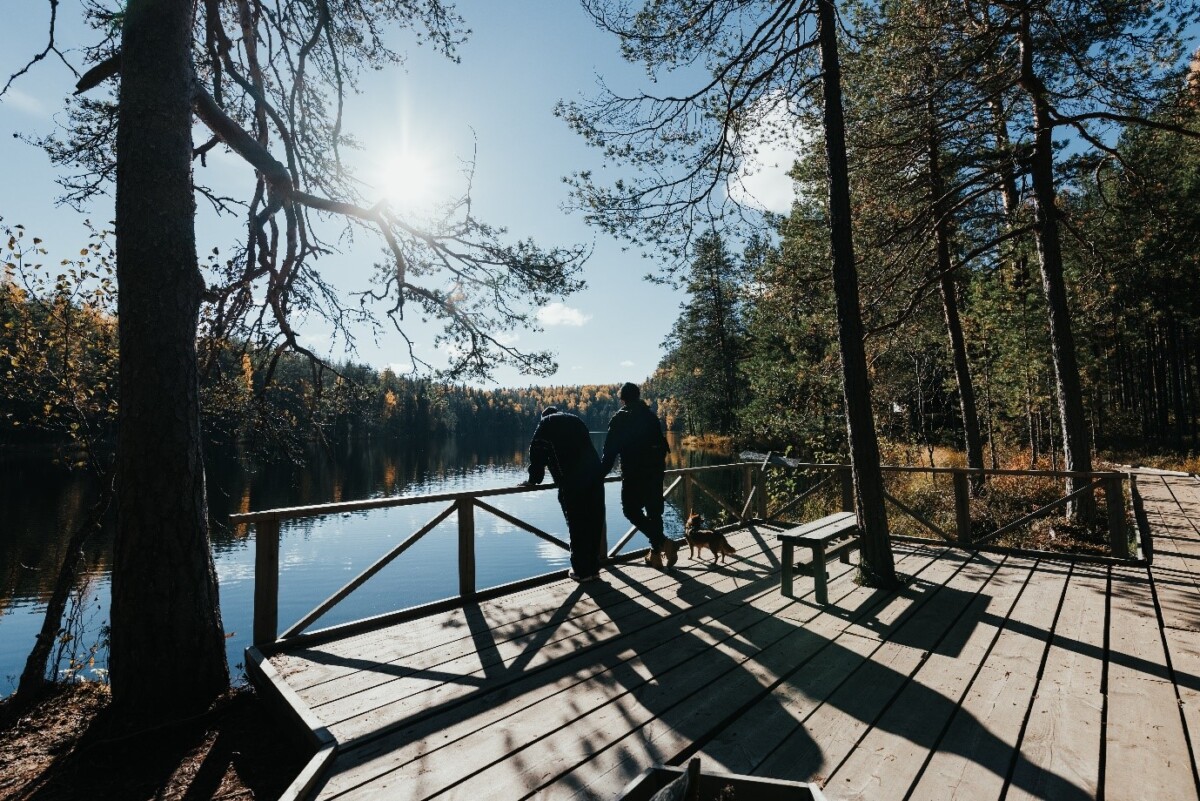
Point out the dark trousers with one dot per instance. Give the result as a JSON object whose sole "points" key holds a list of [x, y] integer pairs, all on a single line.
{"points": [[585, 523], [642, 504]]}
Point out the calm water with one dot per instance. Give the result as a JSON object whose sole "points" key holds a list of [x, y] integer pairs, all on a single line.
{"points": [[41, 503]]}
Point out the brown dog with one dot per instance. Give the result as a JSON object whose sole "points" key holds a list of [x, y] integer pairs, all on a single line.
{"points": [[700, 538]]}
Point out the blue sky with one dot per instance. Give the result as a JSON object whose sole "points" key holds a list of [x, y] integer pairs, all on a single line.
{"points": [[427, 117]]}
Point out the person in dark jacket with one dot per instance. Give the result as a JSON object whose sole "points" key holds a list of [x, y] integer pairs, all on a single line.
{"points": [[563, 445], [635, 435]]}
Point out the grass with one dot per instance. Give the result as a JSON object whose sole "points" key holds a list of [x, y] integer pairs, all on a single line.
{"points": [[717, 443], [1184, 463]]}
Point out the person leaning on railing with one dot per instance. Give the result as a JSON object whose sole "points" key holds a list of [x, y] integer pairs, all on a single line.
{"points": [[562, 444], [635, 435]]}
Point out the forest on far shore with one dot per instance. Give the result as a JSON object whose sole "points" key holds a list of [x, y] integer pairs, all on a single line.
{"points": [[58, 358]]}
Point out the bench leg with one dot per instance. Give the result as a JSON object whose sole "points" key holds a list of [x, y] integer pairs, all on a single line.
{"points": [[785, 575], [818, 564]]}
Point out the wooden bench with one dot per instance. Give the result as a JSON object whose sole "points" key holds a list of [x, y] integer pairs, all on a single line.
{"points": [[818, 535]]}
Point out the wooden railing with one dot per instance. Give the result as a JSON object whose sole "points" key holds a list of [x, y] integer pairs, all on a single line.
{"points": [[686, 484], [966, 484], [688, 481]]}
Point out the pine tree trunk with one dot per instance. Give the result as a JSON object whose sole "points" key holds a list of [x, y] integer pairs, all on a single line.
{"points": [[958, 345], [1193, 384], [1077, 454], [991, 416], [877, 564], [168, 646]]}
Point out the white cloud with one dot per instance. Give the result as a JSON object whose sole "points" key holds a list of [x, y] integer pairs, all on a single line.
{"points": [[24, 102], [508, 339], [627, 363], [774, 144], [560, 314]]}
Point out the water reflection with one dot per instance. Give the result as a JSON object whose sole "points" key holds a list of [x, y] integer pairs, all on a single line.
{"points": [[42, 503]]}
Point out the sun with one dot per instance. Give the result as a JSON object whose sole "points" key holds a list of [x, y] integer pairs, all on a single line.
{"points": [[407, 181]]}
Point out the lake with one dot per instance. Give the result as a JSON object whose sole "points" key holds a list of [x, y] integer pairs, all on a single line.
{"points": [[42, 503]]}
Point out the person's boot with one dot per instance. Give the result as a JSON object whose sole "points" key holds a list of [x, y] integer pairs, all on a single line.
{"points": [[670, 551], [654, 559]]}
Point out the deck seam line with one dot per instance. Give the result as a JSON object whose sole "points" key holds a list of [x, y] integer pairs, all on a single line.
{"points": [[1102, 761], [1015, 759], [908, 679], [546, 734], [752, 594], [356, 742], [933, 749], [1162, 633], [772, 644], [906, 616], [499, 603], [429, 625]]}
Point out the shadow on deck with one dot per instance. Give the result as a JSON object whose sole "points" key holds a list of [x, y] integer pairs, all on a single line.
{"points": [[986, 676]]}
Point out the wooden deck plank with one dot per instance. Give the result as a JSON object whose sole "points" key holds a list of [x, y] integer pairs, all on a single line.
{"points": [[340, 658], [585, 612], [887, 657], [1062, 735], [656, 632], [655, 673], [659, 702], [1184, 649], [1178, 589], [973, 757], [415, 694], [1177, 552], [442, 696], [524, 611], [741, 746], [752, 689], [588, 667], [1146, 752], [890, 756]]}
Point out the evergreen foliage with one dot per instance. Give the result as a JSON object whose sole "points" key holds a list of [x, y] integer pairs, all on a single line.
{"points": [[703, 365]]}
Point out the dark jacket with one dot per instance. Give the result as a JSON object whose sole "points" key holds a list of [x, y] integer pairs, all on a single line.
{"points": [[635, 435], [562, 444]]}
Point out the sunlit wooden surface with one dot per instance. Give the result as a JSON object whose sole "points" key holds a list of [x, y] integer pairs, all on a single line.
{"points": [[989, 676]]}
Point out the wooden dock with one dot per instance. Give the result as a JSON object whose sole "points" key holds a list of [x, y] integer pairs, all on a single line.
{"points": [[989, 675]]}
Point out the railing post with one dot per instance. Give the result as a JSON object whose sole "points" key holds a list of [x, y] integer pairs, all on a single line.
{"points": [[266, 581], [747, 487], [760, 484], [962, 507], [1118, 535], [847, 476], [466, 547]]}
